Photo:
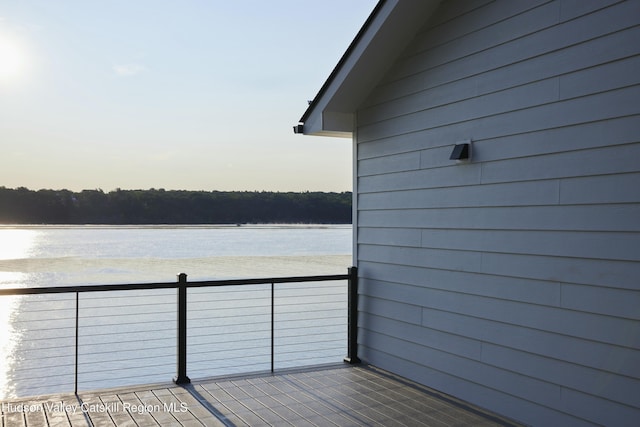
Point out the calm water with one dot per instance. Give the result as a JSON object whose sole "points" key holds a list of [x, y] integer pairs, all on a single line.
{"points": [[129, 337]]}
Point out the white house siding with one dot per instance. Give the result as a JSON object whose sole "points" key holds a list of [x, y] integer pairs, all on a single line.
{"points": [[512, 281]]}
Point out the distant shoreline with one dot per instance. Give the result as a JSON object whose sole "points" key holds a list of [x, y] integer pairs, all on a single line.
{"points": [[172, 226], [22, 206]]}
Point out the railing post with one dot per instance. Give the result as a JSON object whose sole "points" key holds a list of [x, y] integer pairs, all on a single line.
{"points": [[181, 377], [75, 380], [352, 316], [273, 321]]}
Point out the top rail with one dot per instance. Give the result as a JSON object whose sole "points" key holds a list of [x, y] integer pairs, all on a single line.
{"points": [[169, 285]]}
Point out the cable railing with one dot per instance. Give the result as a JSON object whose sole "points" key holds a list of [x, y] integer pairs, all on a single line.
{"points": [[101, 336]]}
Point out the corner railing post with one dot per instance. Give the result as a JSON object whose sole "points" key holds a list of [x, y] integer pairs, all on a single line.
{"points": [[75, 380], [352, 316], [273, 323], [181, 377]]}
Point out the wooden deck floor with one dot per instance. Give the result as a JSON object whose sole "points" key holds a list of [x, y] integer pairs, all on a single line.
{"points": [[330, 396]]}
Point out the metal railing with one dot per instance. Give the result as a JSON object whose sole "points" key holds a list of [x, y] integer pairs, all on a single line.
{"points": [[182, 286]]}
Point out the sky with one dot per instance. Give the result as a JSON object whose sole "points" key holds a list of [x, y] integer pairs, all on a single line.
{"points": [[185, 95]]}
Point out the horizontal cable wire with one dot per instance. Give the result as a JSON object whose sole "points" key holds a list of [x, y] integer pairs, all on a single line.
{"points": [[47, 348], [230, 370], [131, 380], [209, 344], [316, 336], [101, 325], [171, 305], [121, 351], [23, 321], [119, 333], [41, 367], [49, 338], [28, 391], [110, 371], [230, 325], [265, 354], [225, 307], [115, 361], [141, 335]]}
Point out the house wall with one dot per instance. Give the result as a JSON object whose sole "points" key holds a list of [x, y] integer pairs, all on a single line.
{"points": [[512, 281]]}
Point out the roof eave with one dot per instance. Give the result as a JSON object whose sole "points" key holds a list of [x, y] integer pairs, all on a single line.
{"points": [[387, 31]]}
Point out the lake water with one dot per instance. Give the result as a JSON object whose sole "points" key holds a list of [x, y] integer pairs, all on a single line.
{"points": [[129, 337]]}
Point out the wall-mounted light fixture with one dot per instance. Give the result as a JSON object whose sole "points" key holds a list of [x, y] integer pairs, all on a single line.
{"points": [[461, 151]]}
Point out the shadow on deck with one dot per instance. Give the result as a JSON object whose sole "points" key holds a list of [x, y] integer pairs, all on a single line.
{"points": [[337, 395]]}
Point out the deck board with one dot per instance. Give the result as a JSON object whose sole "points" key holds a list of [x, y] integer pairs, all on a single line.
{"points": [[322, 396]]}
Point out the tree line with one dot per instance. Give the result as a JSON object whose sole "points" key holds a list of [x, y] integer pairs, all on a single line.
{"points": [[159, 206]]}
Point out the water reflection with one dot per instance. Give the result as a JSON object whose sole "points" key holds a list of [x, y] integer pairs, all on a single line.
{"points": [[9, 338], [14, 244]]}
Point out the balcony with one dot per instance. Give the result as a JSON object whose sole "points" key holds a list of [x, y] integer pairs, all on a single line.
{"points": [[279, 342]]}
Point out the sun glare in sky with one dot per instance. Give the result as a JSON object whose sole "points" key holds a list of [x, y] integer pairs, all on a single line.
{"points": [[13, 59], [188, 95]]}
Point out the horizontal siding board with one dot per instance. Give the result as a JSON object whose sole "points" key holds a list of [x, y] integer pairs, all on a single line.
{"points": [[430, 89], [612, 302], [619, 188], [597, 161], [584, 136], [433, 157], [390, 236], [606, 273], [600, 133], [454, 9], [605, 77], [605, 329], [391, 146], [411, 101], [612, 19], [393, 163], [392, 310], [489, 376], [571, 9], [415, 279], [424, 178], [521, 97], [503, 403], [586, 54], [503, 194], [602, 411], [580, 378], [465, 21], [610, 76], [450, 260], [611, 217], [565, 113], [429, 416], [613, 359], [421, 281], [399, 348], [495, 17], [450, 343], [603, 245], [619, 103], [404, 292], [497, 34]]}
